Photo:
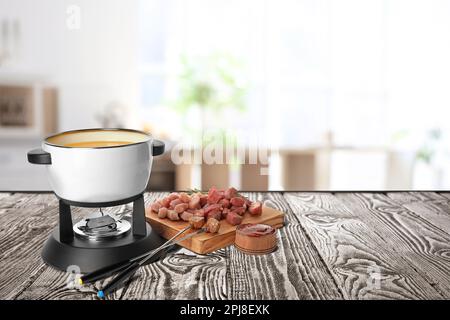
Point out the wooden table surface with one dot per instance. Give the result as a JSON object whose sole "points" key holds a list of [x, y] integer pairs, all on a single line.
{"points": [[393, 245]]}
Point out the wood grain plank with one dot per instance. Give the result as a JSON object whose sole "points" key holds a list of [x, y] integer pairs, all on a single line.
{"points": [[29, 220], [58, 285], [274, 200], [445, 194], [14, 200], [4, 195], [425, 246], [418, 196], [181, 275], [150, 197], [53, 284], [363, 265], [428, 205], [44, 282], [23, 231], [294, 271], [360, 233]]}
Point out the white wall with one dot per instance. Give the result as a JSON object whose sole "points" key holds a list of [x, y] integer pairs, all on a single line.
{"points": [[91, 66]]}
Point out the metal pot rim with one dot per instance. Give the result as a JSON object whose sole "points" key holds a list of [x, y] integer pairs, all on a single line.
{"points": [[97, 129]]}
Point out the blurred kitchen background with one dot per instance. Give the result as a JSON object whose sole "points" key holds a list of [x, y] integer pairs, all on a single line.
{"points": [[348, 94]]}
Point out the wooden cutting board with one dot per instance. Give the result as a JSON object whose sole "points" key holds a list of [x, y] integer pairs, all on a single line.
{"points": [[207, 242]]}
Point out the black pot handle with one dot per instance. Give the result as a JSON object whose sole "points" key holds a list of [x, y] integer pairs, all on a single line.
{"points": [[39, 156], [157, 147]]}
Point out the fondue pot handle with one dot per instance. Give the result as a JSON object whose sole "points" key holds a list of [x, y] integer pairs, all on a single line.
{"points": [[157, 147], [39, 156]]}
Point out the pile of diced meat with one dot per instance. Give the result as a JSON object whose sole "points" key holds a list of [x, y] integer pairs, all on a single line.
{"points": [[206, 210]]}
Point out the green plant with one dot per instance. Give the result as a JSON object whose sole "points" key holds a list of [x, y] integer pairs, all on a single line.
{"points": [[211, 84], [428, 149]]}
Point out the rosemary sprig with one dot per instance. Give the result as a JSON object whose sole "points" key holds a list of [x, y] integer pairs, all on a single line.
{"points": [[195, 190]]}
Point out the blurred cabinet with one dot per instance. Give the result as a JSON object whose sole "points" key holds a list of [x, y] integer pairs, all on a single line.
{"points": [[162, 177], [247, 176], [254, 173], [321, 168], [343, 168], [305, 169], [28, 113], [217, 175], [27, 110]]}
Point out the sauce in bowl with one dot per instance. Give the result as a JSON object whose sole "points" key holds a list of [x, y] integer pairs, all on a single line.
{"points": [[255, 238], [255, 230]]}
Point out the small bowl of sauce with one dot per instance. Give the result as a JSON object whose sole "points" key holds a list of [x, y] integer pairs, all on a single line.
{"points": [[255, 238]]}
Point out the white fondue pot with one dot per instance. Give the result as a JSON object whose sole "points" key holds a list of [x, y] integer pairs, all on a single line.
{"points": [[99, 174]]}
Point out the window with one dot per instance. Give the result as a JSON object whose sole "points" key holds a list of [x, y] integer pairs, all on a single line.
{"points": [[362, 70]]}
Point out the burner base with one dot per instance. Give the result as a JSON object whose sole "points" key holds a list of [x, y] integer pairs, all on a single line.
{"points": [[89, 255]]}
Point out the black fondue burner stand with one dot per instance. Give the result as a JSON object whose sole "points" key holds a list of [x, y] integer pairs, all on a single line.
{"points": [[65, 249]]}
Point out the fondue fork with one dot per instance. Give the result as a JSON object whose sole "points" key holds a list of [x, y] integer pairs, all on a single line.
{"points": [[128, 272], [108, 270]]}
